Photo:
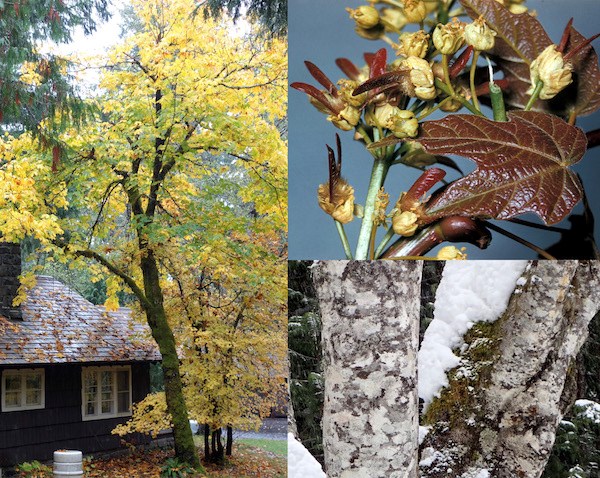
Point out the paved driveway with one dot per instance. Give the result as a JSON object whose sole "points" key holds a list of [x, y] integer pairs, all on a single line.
{"points": [[271, 429]]}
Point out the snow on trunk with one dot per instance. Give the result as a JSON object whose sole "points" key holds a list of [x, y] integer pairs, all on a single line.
{"points": [[503, 403], [370, 316], [469, 292]]}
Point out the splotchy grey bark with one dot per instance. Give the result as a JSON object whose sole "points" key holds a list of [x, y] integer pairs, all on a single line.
{"points": [[502, 416], [370, 316]]}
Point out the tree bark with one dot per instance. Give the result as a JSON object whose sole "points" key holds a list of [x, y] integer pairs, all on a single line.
{"points": [[185, 449], [207, 441], [229, 442], [370, 315], [502, 415]]}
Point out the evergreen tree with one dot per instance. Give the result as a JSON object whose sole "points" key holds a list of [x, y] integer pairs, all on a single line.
{"points": [[304, 336], [272, 14], [35, 86]]}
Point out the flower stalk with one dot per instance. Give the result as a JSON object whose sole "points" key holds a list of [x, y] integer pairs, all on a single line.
{"points": [[368, 223]]}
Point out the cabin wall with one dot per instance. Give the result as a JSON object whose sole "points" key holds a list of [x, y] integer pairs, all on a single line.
{"points": [[35, 434]]}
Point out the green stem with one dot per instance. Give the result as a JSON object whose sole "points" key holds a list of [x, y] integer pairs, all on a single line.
{"points": [[497, 102], [535, 95], [442, 86], [472, 80], [384, 242], [364, 236], [344, 238], [361, 129], [435, 108], [447, 74]]}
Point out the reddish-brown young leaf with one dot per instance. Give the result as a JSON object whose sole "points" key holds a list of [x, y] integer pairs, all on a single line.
{"points": [[378, 63], [383, 81], [321, 77], [349, 68], [583, 95], [522, 165], [317, 95]]}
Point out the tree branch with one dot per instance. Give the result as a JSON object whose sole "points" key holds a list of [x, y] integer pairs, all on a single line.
{"points": [[88, 253]]}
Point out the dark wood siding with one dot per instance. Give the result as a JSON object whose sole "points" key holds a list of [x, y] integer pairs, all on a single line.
{"points": [[35, 434]]}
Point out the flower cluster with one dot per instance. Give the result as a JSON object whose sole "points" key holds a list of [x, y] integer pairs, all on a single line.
{"points": [[384, 101]]}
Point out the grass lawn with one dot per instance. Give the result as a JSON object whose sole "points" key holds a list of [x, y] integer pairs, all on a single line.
{"points": [[278, 447]]}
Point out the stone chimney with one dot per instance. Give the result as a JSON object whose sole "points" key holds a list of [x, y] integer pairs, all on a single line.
{"points": [[10, 270]]}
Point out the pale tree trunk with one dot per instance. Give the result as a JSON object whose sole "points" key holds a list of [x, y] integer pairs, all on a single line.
{"points": [[503, 406], [291, 419], [370, 316]]}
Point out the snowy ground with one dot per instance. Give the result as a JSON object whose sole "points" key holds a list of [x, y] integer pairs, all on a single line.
{"points": [[301, 464]]}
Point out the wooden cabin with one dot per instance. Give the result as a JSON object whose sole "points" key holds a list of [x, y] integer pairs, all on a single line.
{"points": [[69, 370]]}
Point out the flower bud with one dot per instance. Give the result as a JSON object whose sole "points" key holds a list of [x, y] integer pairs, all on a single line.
{"points": [[554, 73], [383, 116], [514, 6], [413, 44], [449, 253], [318, 105], [341, 207], [374, 33], [404, 223], [416, 156], [365, 16], [480, 35], [451, 105], [449, 38], [516, 9], [393, 19], [415, 11], [421, 77], [405, 124], [346, 88], [347, 119]]}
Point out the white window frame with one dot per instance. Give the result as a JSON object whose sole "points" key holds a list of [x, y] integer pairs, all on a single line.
{"points": [[101, 416], [23, 372]]}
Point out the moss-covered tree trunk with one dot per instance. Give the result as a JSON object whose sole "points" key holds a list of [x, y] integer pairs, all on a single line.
{"points": [[507, 397], [162, 333], [370, 316]]}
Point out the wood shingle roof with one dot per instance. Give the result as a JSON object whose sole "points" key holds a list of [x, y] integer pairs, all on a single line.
{"points": [[60, 326]]}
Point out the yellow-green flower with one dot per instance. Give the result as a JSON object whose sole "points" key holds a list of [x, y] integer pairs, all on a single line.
{"points": [[365, 16], [550, 68], [449, 38], [421, 77], [339, 205], [449, 253], [479, 35], [415, 11], [413, 44], [405, 125], [404, 223]]}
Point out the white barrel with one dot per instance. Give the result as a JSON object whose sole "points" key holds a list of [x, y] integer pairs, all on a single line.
{"points": [[68, 463]]}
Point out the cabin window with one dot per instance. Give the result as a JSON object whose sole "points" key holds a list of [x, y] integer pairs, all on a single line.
{"points": [[23, 389], [106, 392]]}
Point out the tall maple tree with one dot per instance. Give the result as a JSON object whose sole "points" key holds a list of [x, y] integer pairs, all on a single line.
{"points": [[179, 91]]}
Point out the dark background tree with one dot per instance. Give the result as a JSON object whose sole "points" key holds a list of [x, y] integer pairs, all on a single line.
{"points": [[24, 26], [272, 14], [304, 339]]}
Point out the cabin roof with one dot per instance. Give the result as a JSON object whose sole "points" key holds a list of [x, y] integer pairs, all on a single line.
{"points": [[60, 326]]}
